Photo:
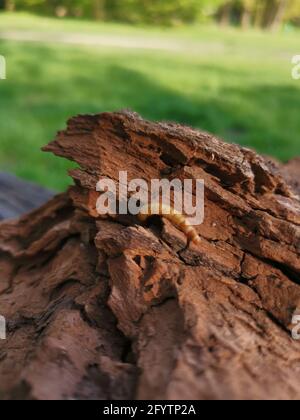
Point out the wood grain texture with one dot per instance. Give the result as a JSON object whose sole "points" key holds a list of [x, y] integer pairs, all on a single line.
{"points": [[110, 309]]}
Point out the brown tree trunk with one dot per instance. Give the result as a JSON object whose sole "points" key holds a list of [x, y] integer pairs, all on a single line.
{"points": [[104, 307], [245, 18], [274, 14], [99, 9], [225, 14], [279, 15], [258, 15], [9, 5]]}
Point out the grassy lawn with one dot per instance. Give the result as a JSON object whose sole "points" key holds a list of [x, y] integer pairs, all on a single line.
{"points": [[234, 84]]}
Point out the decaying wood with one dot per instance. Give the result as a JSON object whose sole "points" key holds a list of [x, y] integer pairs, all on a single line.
{"points": [[102, 308], [291, 172]]}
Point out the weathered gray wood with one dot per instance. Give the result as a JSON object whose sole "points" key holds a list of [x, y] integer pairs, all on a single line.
{"points": [[18, 197]]}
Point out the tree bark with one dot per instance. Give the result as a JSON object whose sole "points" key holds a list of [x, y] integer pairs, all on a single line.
{"points": [[102, 307]]}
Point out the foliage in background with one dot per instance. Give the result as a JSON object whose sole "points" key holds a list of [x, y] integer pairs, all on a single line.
{"points": [[270, 14]]}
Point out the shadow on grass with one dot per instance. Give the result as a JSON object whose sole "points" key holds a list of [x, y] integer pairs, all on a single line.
{"points": [[40, 98]]}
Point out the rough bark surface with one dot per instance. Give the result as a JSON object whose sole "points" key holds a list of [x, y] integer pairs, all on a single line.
{"points": [[106, 308]]}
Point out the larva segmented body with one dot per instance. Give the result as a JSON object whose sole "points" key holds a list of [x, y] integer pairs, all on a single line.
{"points": [[176, 218]]}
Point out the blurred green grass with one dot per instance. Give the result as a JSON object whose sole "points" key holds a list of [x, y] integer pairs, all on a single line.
{"points": [[238, 86]]}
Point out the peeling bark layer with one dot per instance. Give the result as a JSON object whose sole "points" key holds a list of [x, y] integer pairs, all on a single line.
{"points": [[109, 309]]}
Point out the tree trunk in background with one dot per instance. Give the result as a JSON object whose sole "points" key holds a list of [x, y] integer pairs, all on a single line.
{"points": [[10, 5], [245, 18], [225, 14], [274, 14], [18, 197], [279, 15], [99, 9], [107, 308]]}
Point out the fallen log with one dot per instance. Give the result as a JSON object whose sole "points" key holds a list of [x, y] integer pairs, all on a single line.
{"points": [[109, 309]]}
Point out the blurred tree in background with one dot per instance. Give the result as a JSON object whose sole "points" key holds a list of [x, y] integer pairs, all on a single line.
{"points": [[293, 12], [268, 14]]}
